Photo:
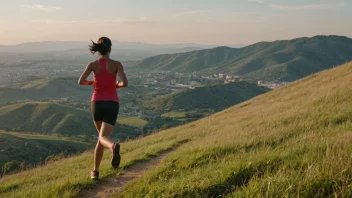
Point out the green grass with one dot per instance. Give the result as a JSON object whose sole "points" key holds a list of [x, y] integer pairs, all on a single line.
{"points": [[33, 149], [291, 142], [132, 121], [67, 177], [174, 115]]}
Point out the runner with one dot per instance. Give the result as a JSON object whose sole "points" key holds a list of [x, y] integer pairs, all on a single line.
{"points": [[105, 100]]}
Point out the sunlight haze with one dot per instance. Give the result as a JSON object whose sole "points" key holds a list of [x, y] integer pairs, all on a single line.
{"points": [[220, 22]]}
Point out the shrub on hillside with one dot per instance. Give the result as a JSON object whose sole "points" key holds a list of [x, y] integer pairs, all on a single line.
{"points": [[13, 167], [53, 158]]}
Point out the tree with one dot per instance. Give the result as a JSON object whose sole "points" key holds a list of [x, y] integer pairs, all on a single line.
{"points": [[11, 167], [164, 126]]}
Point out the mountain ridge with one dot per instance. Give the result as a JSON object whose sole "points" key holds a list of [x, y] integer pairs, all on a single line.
{"points": [[283, 60], [45, 46]]}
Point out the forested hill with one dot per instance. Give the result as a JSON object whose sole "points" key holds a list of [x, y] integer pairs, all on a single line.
{"points": [[286, 60]]}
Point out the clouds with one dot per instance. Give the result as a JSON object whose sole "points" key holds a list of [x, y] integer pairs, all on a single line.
{"points": [[44, 8], [139, 20], [302, 7], [189, 13], [306, 6], [256, 1]]}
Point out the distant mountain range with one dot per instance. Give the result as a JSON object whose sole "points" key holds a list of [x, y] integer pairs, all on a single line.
{"points": [[214, 97], [286, 60], [46, 46], [124, 51]]}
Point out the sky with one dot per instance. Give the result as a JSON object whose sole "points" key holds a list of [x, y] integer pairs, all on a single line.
{"points": [[216, 22]]}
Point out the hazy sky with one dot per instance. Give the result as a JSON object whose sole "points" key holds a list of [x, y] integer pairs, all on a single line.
{"points": [[220, 22]]}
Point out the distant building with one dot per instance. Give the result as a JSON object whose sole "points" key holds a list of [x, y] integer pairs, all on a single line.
{"points": [[185, 86], [195, 84], [64, 99], [221, 75], [151, 81], [270, 85], [229, 81]]}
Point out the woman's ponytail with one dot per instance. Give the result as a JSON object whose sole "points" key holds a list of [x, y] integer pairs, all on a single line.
{"points": [[103, 46]]}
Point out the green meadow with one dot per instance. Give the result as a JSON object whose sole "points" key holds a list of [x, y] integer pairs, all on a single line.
{"points": [[134, 121]]}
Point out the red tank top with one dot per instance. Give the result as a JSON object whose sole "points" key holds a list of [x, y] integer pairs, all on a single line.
{"points": [[104, 84]]}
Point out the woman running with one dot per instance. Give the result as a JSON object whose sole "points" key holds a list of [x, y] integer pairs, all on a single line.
{"points": [[105, 101]]}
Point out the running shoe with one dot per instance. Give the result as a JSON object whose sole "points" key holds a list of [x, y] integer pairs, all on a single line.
{"points": [[116, 158], [94, 174]]}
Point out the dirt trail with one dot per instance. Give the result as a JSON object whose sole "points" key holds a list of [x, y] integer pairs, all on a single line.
{"points": [[114, 185]]}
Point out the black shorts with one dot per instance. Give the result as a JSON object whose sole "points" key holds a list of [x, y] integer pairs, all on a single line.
{"points": [[105, 111]]}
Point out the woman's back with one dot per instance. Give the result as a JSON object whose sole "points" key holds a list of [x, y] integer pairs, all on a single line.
{"points": [[105, 71]]}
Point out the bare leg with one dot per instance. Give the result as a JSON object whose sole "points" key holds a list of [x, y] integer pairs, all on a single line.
{"points": [[104, 135], [99, 149]]}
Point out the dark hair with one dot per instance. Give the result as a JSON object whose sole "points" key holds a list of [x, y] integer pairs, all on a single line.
{"points": [[103, 46]]}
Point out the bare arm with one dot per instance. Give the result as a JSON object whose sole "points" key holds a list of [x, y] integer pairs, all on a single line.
{"points": [[123, 77], [83, 79]]}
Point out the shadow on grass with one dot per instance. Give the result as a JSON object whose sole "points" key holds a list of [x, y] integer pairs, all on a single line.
{"points": [[149, 156], [320, 188], [5, 189], [236, 180]]}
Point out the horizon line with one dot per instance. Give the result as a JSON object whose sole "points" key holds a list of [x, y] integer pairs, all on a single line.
{"points": [[176, 43]]}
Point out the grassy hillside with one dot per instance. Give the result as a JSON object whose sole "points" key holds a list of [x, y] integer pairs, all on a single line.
{"points": [[132, 121], [33, 149], [175, 115], [44, 89], [215, 97], [291, 142], [53, 88], [46, 117], [280, 60], [51, 118]]}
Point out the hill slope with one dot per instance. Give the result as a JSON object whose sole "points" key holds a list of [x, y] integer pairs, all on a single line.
{"points": [[33, 149], [46, 117], [52, 118], [215, 97], [45, 89], [280, 60], [52, 88], [294, 141]]}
